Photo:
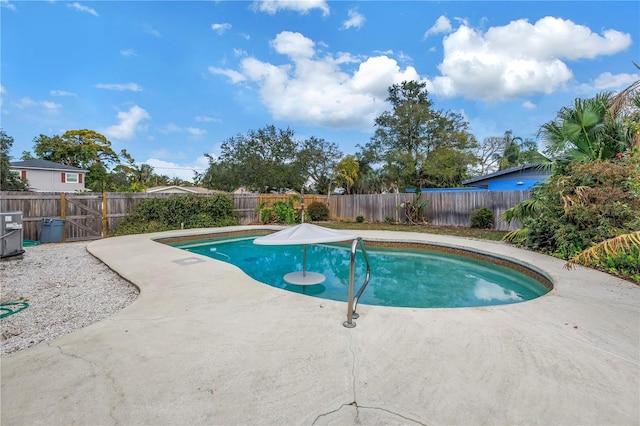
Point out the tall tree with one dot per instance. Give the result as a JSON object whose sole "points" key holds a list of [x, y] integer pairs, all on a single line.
{"points": [[86, 149], [488, 154], [77, 148], [9, 180], [262, 160], [347, 172], [446, 168], [405, 136], [503, 152], [586, 131], [317, 159]]}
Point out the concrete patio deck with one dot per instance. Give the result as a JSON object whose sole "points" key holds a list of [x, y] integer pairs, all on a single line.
{"points": [[205, 344]]}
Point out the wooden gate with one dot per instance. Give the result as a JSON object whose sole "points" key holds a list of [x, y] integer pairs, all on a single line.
{"points": [[84, 216]]}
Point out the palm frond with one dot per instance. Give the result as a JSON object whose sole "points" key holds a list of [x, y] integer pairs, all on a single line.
{"points": [[620, 100], [523, 210], [516, 236], [620, 244]]}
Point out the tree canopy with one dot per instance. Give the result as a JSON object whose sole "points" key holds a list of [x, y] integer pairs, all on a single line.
{"points": [[85, 149], [406, 137], [9, 180], [270, 159], [503, 152]]}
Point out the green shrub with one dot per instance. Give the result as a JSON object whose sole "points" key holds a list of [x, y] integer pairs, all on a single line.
{"points": [[623, 264], [359, 219], [390, 220], [482, 218], [279, 212], [582, 205], [318, 211], [192, 211]]}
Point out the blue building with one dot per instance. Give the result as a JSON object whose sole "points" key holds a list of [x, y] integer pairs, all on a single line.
{"points": [[519, 178]]}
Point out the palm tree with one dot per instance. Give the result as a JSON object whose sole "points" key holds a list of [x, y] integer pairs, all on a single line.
{"points": [[625, 109], [511, 155], [577, 132]]}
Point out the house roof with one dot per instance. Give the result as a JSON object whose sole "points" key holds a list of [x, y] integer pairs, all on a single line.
{"points": [[516, 169], [44, 165], [190, 189]]}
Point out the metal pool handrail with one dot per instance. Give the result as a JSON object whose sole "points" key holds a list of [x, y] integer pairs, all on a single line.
{"points": [[352, 303]]}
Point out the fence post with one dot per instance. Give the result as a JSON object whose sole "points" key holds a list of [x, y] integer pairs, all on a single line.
{"points": [[63, 216], [105, 224]]}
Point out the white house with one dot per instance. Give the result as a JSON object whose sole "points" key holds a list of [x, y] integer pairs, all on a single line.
{"points": [[47, 176]]}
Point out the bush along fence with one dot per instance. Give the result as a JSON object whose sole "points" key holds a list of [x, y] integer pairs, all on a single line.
{"points": [[91, 216]]}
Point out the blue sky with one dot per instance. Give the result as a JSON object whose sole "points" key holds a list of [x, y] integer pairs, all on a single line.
{"points": [[170, 81]]}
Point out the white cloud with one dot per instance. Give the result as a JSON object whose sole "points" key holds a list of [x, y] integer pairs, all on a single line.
{"points": [[221, 28], [150, 30], [25, 102], [193, 131], [356, 20], [129, 123], [7, 5], [170, 128], [3, 91], [239, 52], [235, 76], [519, 58], [376, 74], [81, 8], [120, 87], [183, 171], [206, 119], [62, 93], [608, 81], [51, 106], [317, 90], [529, 105], [301, 6], [128, 52], [442, 26], [294, 45], [196, 132], [403, 57], [48, 106]]}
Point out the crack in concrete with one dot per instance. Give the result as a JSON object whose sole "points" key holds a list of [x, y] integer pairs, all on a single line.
{"points": [[98, 371], [395, 414], [328, 413], [353, 369], [354, 403]]}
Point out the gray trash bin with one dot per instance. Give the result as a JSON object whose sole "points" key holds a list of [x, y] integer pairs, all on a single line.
{"points": [[51, 231]]}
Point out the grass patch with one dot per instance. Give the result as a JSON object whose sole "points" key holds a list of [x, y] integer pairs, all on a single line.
{"points": [[483, 234]]}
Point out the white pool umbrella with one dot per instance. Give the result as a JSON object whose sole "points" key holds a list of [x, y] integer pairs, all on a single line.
{"points": [[304, 234]]}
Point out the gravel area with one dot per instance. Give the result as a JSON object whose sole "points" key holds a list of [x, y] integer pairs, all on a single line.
{"points": [[65, 287]]}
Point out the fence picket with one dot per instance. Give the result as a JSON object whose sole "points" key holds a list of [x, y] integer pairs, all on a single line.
{"points": [[443, 208]]}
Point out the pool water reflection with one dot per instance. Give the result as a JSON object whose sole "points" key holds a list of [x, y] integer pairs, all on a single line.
{"points": [[399, 277]]}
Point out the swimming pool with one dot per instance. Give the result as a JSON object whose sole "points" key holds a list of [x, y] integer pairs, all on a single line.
{"points": [[403, 277]]}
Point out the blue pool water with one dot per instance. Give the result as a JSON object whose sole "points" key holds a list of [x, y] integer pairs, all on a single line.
{"points": [[399, 277]]}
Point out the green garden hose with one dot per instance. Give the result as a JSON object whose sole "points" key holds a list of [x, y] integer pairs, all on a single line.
{"points": [[11, 308]]}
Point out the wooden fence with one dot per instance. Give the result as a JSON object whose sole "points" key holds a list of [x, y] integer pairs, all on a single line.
{"points": [[91, 216]]}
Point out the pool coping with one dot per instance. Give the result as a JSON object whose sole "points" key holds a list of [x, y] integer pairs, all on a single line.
{"points": [[204, 344], [509, 262]]}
